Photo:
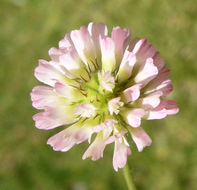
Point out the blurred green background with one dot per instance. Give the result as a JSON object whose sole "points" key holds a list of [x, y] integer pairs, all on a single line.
{"points": [[28, 28]]}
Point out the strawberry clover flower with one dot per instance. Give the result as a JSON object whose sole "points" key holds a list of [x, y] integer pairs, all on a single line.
{"points": [[103, 85]]}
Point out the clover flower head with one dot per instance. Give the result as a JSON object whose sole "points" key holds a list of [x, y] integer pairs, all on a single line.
{"points": [[103, 85]]}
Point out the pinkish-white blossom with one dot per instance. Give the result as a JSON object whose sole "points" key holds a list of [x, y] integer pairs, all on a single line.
{"points": [[103, 84]]}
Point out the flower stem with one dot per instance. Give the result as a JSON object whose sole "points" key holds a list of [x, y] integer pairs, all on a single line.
{"points": [[128, 178]]}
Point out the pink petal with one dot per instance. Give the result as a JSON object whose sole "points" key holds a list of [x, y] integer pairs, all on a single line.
{"points": [[67, 138], [108, 54], [158, 61], [139, 45], [48, 73], [121, 153], [83, 134], [166, 107], [143, 50], [62, 89], [66, 42], [83, 44], [147, 72], [140, 138], [43, 96], [126, 66], [85, 110], [44, 120], [67, 91], [95, 150], [72, 62], [63, 141], [114, 137], [55, 53], [114, 105], [164, 86], [132, 93], [121, 40], [41, 91], [107, 123], [53, 117], [97, 32], [152, 100], [133, 117], [167, 89], [133, 43], [108, 81], [161, 82], [170, 106]]}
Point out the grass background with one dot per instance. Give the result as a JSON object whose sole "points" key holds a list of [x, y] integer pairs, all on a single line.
{"points": [[28, 28]]}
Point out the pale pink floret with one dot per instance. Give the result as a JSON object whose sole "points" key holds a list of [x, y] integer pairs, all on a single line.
{"points": [[132, 93], [152, 100], [141, 138], [66, 139], [166, 107], [66, 42], [63, 89], [97, 32], [95, 150], [106, 124], [54, 117], [115, 136], [83, 44], [121, 39], [43, 96], [138, 45], [48, 73], [158, 61], [146, 72], [55, 53], [85, 110], [134, 116], [143, 50], [108, 54], [126, 66], [108, 81], [161, 82], [72, 62], [121, 153], [66, 93], [114, 105]]}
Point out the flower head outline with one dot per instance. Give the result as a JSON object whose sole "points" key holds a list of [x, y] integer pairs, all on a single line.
{"points": [[105, 85]]}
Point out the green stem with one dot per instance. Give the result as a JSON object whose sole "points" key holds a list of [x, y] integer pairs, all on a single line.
{"points": [[128, 178]]}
